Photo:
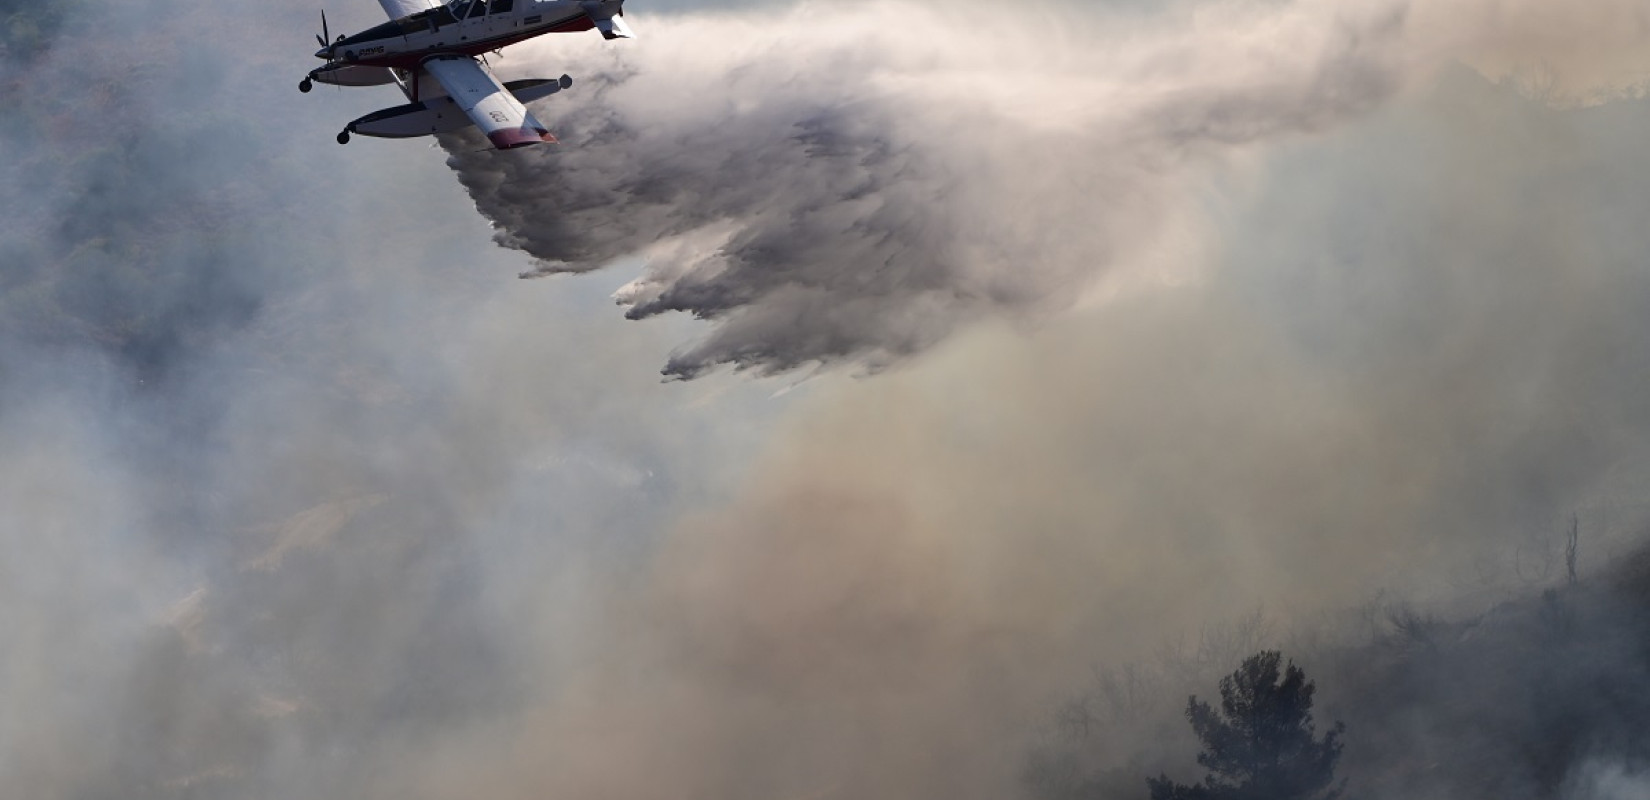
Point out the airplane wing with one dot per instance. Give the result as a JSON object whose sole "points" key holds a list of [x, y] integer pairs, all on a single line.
{"points": [[401, 8], [486, 102]]}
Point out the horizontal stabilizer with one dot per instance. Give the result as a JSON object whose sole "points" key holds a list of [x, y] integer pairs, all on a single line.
{"points": [[614, 27], [606, 15]]}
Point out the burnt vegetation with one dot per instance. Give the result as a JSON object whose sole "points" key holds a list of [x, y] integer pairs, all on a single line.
{"points": [[1261, 743]]}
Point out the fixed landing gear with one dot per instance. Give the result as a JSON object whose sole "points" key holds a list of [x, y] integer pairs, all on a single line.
{"points": [[305, 85], [343, 136]]}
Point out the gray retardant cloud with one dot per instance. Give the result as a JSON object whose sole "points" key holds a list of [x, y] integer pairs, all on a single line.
{"points": [[301, 496], [847, 183]]}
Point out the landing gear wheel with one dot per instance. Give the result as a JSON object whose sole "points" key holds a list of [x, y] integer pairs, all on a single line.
{"points": [[305, 85], [343, 137]]}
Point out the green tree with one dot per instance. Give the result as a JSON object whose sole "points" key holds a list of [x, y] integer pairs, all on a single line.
{"points": [[1261, 744]]}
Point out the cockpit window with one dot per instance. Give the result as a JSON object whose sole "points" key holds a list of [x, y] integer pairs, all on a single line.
{"points": [[461, 8], [478, 9], [501, 6]]}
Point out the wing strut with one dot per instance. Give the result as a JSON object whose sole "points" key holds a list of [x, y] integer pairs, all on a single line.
{"points": [[397, 9]]}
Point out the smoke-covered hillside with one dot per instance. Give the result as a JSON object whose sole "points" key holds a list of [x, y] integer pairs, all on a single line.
{"points": [[1540, 697], [1537, 697]]}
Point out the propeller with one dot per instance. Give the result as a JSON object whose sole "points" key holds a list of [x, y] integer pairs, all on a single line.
{"points": [[323, 36], [307, 83]]}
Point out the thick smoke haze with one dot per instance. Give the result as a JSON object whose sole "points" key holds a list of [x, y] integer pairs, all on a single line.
{"points": [[303, 495]]}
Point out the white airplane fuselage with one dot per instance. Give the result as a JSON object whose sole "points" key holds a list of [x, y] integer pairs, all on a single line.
{"points": [[405, 43]]}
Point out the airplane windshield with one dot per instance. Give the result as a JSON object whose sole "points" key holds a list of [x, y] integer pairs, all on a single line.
{"points": [[479, 8], [460, 7]]}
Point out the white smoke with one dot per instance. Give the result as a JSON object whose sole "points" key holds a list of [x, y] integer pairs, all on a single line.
{"points": [[1606, 780]]}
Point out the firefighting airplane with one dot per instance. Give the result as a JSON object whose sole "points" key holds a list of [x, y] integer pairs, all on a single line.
{"points": [[430, 49]]}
